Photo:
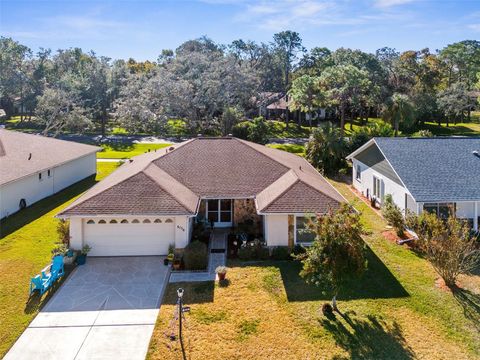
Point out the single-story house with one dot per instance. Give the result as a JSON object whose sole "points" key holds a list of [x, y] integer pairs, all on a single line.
{"points": [[154, 199], [274, 105], [33, 167], [440, 175]]}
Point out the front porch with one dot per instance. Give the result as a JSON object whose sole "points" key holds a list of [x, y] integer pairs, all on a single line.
{"points": [[236, 214]]}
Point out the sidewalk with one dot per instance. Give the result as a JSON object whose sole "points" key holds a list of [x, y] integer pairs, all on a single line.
{"points": [[219, 241]]}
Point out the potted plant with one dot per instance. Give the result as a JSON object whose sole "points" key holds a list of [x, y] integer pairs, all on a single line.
{"points": [[170, 256], [70, 257], [221, 272], [177, 261], [82, 258]]}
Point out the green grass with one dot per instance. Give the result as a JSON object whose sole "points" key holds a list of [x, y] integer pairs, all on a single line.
{"points": [[279, 130], [395, 311], [292, 148], [26, 241], [126, 151], [461, 129]]}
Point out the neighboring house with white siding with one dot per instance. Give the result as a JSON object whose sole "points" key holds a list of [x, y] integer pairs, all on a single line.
{"points": [[33, 167], [153, 200], [440, 175]]}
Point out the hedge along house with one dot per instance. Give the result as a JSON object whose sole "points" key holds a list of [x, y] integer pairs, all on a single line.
{"points": [[33, 167], [439, 175], [153, 200]]}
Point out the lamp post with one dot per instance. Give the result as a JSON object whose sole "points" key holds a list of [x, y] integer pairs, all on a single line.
{"points": [[180, 292]]}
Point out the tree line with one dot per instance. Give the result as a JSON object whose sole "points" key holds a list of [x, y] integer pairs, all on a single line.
{"points": [[212, 86]]}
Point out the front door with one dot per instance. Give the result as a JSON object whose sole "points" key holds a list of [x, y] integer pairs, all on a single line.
{"points": [[220, 212]]}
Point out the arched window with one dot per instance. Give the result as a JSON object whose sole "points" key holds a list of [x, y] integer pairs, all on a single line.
{"points": [[135, 221], [169, 221], [146, 221], [124, 221], [90, 222], [113, 221], [157, 221], [102, 222]]}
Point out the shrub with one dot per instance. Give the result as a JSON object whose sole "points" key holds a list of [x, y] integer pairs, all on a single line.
{"points": [[241, 130], [392, 214], [63, 231], [448, 245], [424, 134], [254, 250], [281, 253], [259, 131], [298, 250], [195, 256]]}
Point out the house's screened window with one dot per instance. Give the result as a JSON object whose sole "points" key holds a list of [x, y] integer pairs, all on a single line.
{"points": [[303, 234], [113, 221], [146, 221], [90, 222], [157, 221], [377, 187], [358, 173], [102, 222], [124, 221], [135, 221], [442, 210]]}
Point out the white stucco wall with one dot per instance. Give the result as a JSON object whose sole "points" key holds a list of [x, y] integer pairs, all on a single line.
{"points": [[276, 230], [389, 186], [32, 189]]}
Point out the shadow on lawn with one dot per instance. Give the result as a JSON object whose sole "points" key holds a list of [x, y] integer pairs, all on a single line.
{"points": [[370, 338], [377, 283], [470, 303], [40, 208], [195, 292]]}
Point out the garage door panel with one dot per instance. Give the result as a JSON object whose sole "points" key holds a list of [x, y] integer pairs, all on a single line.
{"points": [[129, 239]]}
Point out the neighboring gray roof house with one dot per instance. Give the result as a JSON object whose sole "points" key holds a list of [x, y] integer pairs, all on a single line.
{"points": [[432, 169], [173, 181]]}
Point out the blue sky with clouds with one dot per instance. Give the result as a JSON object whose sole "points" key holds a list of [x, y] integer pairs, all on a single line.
{"points": [[141, 28]]}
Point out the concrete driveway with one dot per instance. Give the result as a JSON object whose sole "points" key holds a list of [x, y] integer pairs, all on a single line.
{"points": [[105, 310]]}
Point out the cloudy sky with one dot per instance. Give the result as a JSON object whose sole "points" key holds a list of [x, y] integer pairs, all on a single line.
{"points": [[141, 28]]}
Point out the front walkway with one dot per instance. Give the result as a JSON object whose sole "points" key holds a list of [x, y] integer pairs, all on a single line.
{"points": [[106, 309], [219, 242]]}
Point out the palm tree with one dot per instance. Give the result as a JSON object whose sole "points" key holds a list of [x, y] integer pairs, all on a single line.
{"points": [[326, 149], [400, 110]]}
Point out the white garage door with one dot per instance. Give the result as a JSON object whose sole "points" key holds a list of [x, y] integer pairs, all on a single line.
{"points": [[129, 238]]}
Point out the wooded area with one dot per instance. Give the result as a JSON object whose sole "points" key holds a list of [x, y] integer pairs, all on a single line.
{"points": [[213, 86]]}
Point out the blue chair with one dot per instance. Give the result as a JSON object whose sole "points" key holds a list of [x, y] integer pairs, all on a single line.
{"points": [[57, 269], [40, 283]]}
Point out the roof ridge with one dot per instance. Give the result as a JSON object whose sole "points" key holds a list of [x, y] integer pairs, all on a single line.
{"points": [[249, 144], [284, 191], [322, 191], [80, 201], [157, 168]]}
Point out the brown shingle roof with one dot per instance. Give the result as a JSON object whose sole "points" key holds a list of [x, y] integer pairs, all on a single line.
{"points": [[209, 168], [46, 153]]}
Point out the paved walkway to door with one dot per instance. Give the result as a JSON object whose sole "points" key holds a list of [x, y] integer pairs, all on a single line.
{"points": [[106, 309], [219, 242]]}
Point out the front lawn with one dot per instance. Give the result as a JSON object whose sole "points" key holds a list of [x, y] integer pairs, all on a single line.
{"points": [[292, 148], [27, 239], [278, 129], [126, 151], [267, 311]]}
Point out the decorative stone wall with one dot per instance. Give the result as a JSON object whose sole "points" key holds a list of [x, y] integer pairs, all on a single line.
{"points": [[244, 209], [291, 230]]}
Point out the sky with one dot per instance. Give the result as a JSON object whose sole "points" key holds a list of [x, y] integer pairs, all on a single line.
{"points": [[142, 28]]}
